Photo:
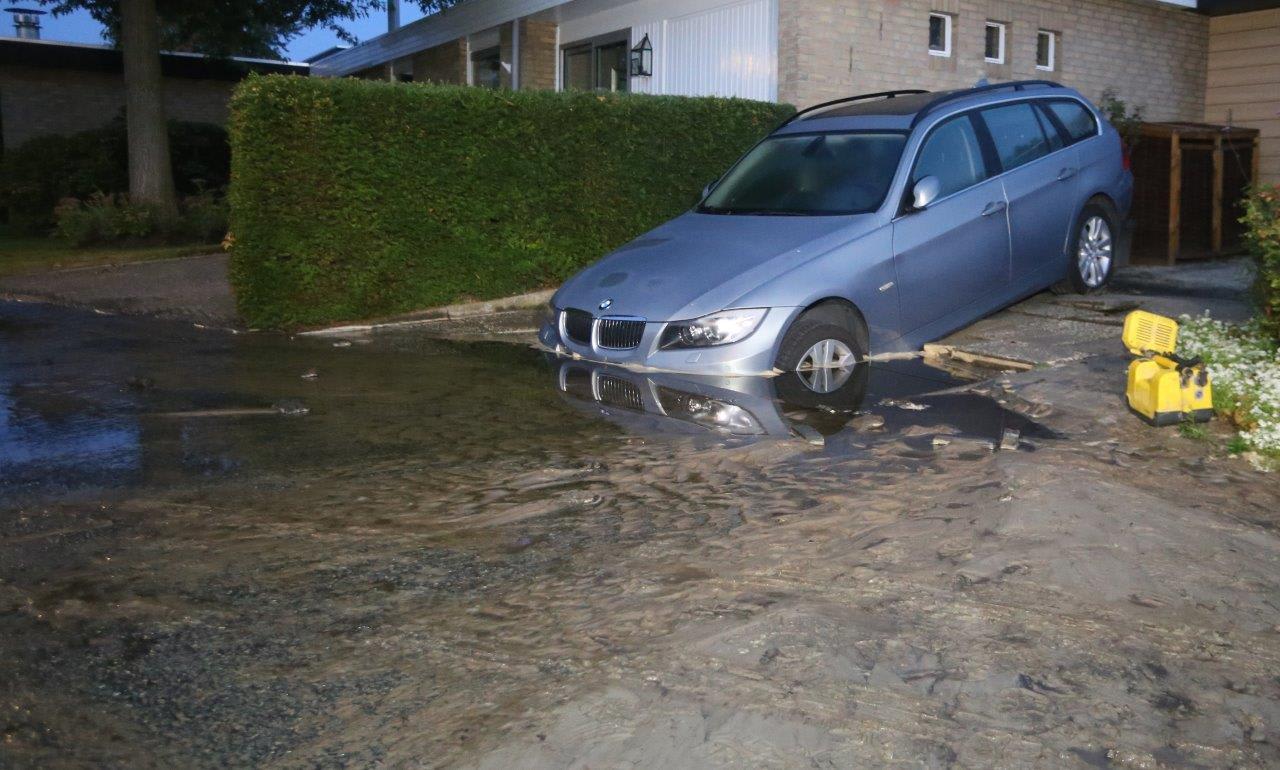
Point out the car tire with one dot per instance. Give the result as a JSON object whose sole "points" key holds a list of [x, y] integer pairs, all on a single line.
{"points": [[832, 327], [1092, 253]]}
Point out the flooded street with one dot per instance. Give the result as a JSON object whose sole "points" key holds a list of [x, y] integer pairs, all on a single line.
{"points": [[222, 549]]}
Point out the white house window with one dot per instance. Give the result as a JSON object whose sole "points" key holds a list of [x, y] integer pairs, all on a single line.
{"points": [[939, 34], [993, 52], [1046, 50]]}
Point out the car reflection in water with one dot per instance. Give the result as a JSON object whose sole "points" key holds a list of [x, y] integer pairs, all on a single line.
{"points": [[903, 393]]}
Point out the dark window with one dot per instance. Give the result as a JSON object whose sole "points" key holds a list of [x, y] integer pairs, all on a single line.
{"points": [[1015, 129], [597, 65], [952, 154], [1078, 121], [1045, 45], [939, 34], [994, 46], [840, 173], [486, 68]]}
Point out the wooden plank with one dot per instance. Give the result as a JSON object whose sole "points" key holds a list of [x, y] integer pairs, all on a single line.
{"points": [[1241, 22], [1246, 57], [1243, 76], [1245, 39], [1215, 226], [1247, 94], [1175, 198]]}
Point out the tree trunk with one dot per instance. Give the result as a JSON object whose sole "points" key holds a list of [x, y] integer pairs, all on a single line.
{"points": [[150, 168]]}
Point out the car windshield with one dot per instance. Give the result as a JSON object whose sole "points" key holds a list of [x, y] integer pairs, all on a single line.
{"points": [[809, 174]]}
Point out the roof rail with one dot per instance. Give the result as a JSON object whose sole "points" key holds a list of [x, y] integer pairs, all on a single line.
{"points": [[1017, 85], [858, 98]]}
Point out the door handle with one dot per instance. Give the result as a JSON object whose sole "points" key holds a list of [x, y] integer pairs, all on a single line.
{"points": [[1066, 174], [994, 207]]}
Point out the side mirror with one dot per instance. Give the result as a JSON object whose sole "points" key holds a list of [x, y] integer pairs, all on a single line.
{"points": [[925, 192]]}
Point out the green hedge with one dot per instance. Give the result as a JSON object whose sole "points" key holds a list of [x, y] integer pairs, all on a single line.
{"points": [[1262, 235], [352, 199]]}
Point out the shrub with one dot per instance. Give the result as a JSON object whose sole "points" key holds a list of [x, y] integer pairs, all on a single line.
{"points": [[35, 176], [106, 219], [1262, 235], [355, 198]]}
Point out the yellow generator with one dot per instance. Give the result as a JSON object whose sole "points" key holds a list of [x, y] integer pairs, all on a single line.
{"points": [[1164, 388]]}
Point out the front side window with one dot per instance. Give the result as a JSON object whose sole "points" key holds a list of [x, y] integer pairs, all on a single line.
{"points": [[1046, 43], [953, 155], [810, 174], [939, 34], [994, 50], [1078, 121], [1015, 129]]}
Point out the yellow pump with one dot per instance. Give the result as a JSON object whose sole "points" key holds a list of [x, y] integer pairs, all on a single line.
{"points": [[1164, 388]]}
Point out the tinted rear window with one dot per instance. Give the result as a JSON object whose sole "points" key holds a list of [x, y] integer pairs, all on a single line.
{"points": [[1078, 121], [1016, 132]]}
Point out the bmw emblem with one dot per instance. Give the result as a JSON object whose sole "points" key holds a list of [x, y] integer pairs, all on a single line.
{"points": [[605, 305]]}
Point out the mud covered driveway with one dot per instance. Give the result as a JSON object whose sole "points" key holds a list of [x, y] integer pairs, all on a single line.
{"points": [[220, 549]]}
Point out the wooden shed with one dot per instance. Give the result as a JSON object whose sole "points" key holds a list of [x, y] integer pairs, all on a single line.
{"points": [[1189, 179]]}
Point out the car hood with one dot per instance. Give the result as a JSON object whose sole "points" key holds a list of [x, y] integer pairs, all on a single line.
{"points": [[700, 263]]}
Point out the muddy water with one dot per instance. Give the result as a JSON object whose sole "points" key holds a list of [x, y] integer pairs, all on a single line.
{"points": [[226, 549]]}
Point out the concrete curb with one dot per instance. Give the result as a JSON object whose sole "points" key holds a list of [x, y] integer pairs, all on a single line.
{"points": [[441, 314]]}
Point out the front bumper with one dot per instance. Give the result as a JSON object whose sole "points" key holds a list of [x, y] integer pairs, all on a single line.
{"points": [[754, 355]]}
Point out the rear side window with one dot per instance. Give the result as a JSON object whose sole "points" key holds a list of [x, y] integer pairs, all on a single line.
{"points": [[953, 155], [1050, 131], [1015, 129], [1078, 121]]}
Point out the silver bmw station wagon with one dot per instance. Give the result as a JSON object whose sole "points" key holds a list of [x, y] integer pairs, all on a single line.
{"points": [[869, 224]]}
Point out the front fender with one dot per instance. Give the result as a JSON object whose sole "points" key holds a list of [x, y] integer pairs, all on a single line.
{"points": [[860, 271]]}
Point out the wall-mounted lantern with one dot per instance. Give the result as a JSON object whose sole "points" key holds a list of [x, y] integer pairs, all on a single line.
{"points": [[642, 58]]}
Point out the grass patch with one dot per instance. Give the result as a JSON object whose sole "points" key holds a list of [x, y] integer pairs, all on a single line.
{"points": [[1192, 431], [23, 255], [1244, 363]]}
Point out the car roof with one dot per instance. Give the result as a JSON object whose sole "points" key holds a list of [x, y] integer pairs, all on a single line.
{"points": [[903, 110]]}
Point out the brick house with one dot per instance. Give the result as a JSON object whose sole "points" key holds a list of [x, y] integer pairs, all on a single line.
{"points": [[49, 87], [802, 51]]}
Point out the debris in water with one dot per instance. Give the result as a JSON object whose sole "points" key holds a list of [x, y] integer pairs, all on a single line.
{"points": [[867, 421], [809, 434], [1009, 441], [290, 407], [310, 374], [910, 406]]}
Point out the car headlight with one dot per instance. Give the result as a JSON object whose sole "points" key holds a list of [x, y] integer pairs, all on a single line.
{"points": [[723, 328], [708, 412]]}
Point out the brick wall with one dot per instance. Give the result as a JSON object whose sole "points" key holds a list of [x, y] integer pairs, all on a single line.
{"points": [[537, 55], [1153, 54], [445, 63], [36, 101]]}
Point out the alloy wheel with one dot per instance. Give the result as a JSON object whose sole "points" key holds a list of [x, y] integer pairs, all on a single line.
{"points": [[826, 365], [1093, 255]]}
